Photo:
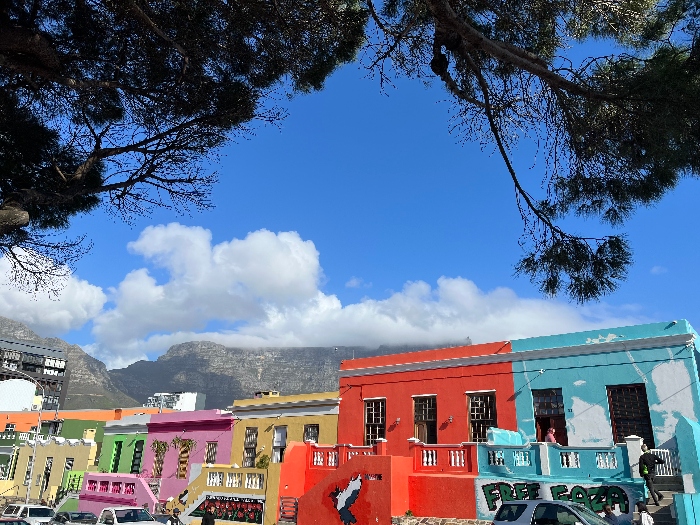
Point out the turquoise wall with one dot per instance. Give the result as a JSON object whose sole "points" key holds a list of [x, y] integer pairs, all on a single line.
{"points": [[669, 372]]}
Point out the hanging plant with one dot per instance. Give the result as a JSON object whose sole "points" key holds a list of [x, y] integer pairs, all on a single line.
{"points": [[183, 445], [159, 447]]}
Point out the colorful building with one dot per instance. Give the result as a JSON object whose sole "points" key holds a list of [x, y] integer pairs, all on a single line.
{"points": [[247, 489], [124, 444]]}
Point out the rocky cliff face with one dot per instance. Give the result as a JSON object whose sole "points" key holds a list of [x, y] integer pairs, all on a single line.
{"points": [[89, 385], [225, 374]]}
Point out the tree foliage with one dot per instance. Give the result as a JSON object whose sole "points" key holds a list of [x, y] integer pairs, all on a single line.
{"points": [[617, 130], [122, 102]]}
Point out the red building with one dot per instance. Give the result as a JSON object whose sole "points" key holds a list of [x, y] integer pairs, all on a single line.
{"points": [[434, 395]]}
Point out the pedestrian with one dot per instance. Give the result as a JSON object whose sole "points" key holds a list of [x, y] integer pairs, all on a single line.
{"points": [[145, 506], [609, 516], [174, 518], [549, 438], [208, 518], [647, 469], [644, 516], [43, 502]]}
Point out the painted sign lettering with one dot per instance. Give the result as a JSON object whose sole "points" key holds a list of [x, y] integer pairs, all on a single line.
{"points": [[490, 493]]}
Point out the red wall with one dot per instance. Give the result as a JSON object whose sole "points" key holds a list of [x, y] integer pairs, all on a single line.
{"points": [[449, 384], [442, 496], [384, 491]]}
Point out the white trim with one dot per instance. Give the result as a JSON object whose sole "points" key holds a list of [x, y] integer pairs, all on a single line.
{"points": [[487, 391], [373, 398], [425, 395], [664, 341], [309, 407]]}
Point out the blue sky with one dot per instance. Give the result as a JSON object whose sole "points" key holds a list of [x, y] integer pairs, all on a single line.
{"points": [[384, 202]]}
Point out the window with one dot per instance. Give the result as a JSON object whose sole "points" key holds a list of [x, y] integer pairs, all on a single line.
{"points": [[250, 445], [47, 474], [9, 427], [279, 444], [510, 511], [425, 419], [116, 456], [158, 464], [553, 514], [182, 459], [482, 414], [68, 465], [136, 458], [375, 420], [311, 433], [629, 413], [210, 452]]}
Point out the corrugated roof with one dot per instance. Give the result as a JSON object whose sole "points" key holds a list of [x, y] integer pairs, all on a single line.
{"points": [[31, 348]]}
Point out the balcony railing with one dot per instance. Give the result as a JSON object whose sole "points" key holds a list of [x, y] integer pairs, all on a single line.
{"points": [[672, 462], [332, 456], [439, 458], [252, 479]]}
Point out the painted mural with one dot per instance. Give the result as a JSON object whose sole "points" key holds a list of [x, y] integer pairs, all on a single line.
{"points": [[345, 498], [232, 508], [490, 493]]}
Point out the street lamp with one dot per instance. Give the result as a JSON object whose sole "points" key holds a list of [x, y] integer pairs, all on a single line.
{"points": [[36, 434]]}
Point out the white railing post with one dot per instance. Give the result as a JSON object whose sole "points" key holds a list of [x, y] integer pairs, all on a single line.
{"points": [[634, 451], [543, 449]]}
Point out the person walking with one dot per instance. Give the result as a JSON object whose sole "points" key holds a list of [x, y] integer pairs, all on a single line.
{"points": [[644, 516], [609, 516], [208, 518], [647, 469], [174, 518], [549, 438]]}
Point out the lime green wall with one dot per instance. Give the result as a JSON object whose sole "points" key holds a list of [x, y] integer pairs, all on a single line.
{"points": [[74, 428], [127, 453]]}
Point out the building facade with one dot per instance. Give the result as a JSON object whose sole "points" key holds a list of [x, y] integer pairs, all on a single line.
{"points": [[47, 366], [182, 401]]}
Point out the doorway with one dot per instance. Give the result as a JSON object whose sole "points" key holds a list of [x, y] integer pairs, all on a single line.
{"points": [[549, 413]]}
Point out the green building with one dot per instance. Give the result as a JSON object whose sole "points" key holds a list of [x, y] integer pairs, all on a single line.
{"points": [[123, 444]]}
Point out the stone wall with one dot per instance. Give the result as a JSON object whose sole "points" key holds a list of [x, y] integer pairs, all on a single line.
{"points": [[415, 520]]}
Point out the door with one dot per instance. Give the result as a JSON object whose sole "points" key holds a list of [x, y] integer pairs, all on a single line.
{"points": [[279, 443], [548, 406], [629, 413]]}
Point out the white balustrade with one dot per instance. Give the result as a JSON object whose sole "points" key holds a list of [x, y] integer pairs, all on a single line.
{"points": [[215, 479], [254, 481], [429, 458], [521, 458], [318, 458], [456, 458], [606, 460], [233, 479], [332, 458], [569, 460], [497, 457]]}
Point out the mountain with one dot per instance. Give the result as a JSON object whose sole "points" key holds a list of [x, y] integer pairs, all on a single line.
{"points": [[89, 385], [225, 374]]}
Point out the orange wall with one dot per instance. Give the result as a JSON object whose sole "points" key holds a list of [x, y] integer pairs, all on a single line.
{"points": [[449, 384], [23, 421]]}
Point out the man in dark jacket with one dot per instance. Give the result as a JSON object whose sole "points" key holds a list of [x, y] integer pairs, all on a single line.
{"points": [[174, 518], [647, 469], [208, 518]]}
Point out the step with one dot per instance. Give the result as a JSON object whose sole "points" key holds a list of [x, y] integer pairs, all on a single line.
{"points": [[669, 483]]}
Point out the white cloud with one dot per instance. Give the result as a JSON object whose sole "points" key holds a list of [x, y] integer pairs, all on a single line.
{"points": [[266, 290], [78, 302], [658, 270]]}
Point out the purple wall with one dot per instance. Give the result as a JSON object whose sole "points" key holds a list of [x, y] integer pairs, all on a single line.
{"points": [[113, 490], [200, 425]]}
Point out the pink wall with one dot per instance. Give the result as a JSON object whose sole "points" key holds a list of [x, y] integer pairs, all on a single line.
{"points": [[200, 425], [122, 490]]}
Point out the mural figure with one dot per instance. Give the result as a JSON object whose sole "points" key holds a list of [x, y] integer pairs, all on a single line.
{"points": [[344, 499]]}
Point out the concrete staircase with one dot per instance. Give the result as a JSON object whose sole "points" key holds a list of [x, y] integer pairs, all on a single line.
{"points": [[664, 514]]}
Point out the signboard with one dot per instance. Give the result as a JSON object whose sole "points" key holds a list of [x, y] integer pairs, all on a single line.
{"points": [[232, 508], [622, 497]]}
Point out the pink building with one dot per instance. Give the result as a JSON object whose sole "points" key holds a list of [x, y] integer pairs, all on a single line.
{"points": [[102, 490], [211, 435]]}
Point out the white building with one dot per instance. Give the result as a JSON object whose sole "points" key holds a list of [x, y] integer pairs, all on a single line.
{"points": [[183, 401]]}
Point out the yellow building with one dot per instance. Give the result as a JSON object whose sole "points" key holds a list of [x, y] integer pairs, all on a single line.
{"points": [[54, 456], [263, 428]]}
